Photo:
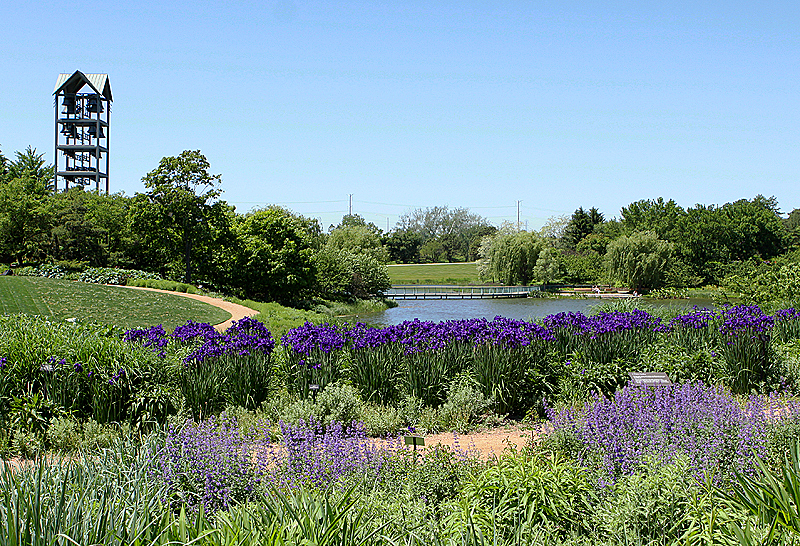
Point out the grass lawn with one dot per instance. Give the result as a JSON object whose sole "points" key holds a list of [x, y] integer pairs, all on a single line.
{"points": [[458, 273], [115, 305]]}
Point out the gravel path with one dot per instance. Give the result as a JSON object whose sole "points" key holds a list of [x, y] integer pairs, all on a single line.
{"points": [[486, 444]]}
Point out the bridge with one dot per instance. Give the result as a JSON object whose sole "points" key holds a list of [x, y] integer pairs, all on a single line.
{"points": [[451, 292]]}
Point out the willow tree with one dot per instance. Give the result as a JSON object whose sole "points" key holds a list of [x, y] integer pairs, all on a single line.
{"points": [[510, 256], [638, 261]]}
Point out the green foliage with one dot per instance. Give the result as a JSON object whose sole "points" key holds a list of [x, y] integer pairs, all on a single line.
{"points": [[647, 507], [772, 497], [208, 386], [24, 218], [403, 246], [510, 499], [510, 256], [464, 406], [357, 239], [340, 402], [343, 272], [581, 224], [180, 224], [274, 255], [582, 268], [656, 215], [639, 260], [437, 476], [64, 434], [444, 235], [376, 372], [681, 363], [548, 269], [778, 283]]}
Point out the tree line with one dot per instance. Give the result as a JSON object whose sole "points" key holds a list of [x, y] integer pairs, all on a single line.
{"points": [[180, 228], [654, 243]]}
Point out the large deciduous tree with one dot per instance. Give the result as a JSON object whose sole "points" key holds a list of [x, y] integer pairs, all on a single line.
{"points": [[180, 221], [352, 263], [445, 235], [274, 255], [509, 256], [638, 261], [25, 186]]}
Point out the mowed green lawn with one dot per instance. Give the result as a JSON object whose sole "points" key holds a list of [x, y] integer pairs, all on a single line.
{"points": [[123, 307], [457, 273]]}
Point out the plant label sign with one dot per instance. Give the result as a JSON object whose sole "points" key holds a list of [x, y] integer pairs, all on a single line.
{"points": [[648, 379], [414, 441]]}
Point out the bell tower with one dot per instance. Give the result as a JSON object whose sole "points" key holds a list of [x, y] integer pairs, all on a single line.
{"points": [[83, 113]]}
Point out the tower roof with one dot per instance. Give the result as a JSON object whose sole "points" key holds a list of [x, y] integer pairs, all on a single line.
{"points": [[72, 83]]}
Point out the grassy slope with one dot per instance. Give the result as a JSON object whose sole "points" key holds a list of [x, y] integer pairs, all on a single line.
{"points": [[106, 304], [460, 273]]}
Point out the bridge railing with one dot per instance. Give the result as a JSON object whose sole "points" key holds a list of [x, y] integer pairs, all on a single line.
{"points": [[417, 289]]}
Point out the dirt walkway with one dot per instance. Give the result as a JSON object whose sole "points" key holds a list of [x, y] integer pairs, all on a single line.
{"points": [[486, 444], [237, 311]]}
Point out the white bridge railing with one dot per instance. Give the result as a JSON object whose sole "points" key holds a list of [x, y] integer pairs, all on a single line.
{"points": [[458, 292]]}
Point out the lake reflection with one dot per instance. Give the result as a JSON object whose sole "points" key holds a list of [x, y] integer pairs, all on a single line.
{"points": [[515, 308]]}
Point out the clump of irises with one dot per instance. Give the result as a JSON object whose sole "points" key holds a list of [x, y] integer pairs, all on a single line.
{"points": [[421, 357]]}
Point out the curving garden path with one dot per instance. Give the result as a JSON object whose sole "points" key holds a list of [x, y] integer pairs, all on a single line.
{"points": [[237, 311]]}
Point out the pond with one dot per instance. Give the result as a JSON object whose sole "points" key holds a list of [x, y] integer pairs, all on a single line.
{"points": [[515, 308]]}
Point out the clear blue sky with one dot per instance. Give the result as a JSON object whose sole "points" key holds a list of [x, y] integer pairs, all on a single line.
{"points": [[417, 104]]}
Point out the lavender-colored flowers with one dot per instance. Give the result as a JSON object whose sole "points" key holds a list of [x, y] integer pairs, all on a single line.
{"points": [[213, 464], [705, 424]]}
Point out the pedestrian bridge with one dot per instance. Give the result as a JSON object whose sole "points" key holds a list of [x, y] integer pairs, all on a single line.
{"points": [[452, 292]]}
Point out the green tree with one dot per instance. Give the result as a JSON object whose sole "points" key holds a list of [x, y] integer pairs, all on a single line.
{"points": [[548, 268], [74, 234], [449, 232], [25, 186], [662, 217], [510, 256], [581, 224], [403, 246], [352, 263], [358, 239], [342, 273], [24, 218], [709, 236], [638, 261], [179, 223], [274, 256], [29, 164]]}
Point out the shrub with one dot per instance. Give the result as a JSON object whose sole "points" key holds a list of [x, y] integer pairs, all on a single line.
{"points": [[340, 402], [380, 420], [64, 434], [464, 405]]}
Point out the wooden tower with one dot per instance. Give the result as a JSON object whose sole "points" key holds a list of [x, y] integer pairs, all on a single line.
{"points": [[83, 112]]}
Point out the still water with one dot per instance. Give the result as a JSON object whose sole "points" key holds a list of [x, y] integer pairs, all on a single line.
{"points": [[515, 308]]}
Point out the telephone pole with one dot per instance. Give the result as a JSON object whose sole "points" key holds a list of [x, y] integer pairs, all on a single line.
{"points": [[518, 202], [351, 204]]}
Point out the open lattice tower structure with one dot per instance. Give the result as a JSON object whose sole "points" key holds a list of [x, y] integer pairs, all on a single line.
{"points": [[83, 115]]}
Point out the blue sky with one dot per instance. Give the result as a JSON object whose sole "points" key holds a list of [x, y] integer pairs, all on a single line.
{"points": [[416, 104]]}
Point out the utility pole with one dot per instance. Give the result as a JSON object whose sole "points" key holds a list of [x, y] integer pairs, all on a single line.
{"points": [[518, 202], [351, 205]]}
